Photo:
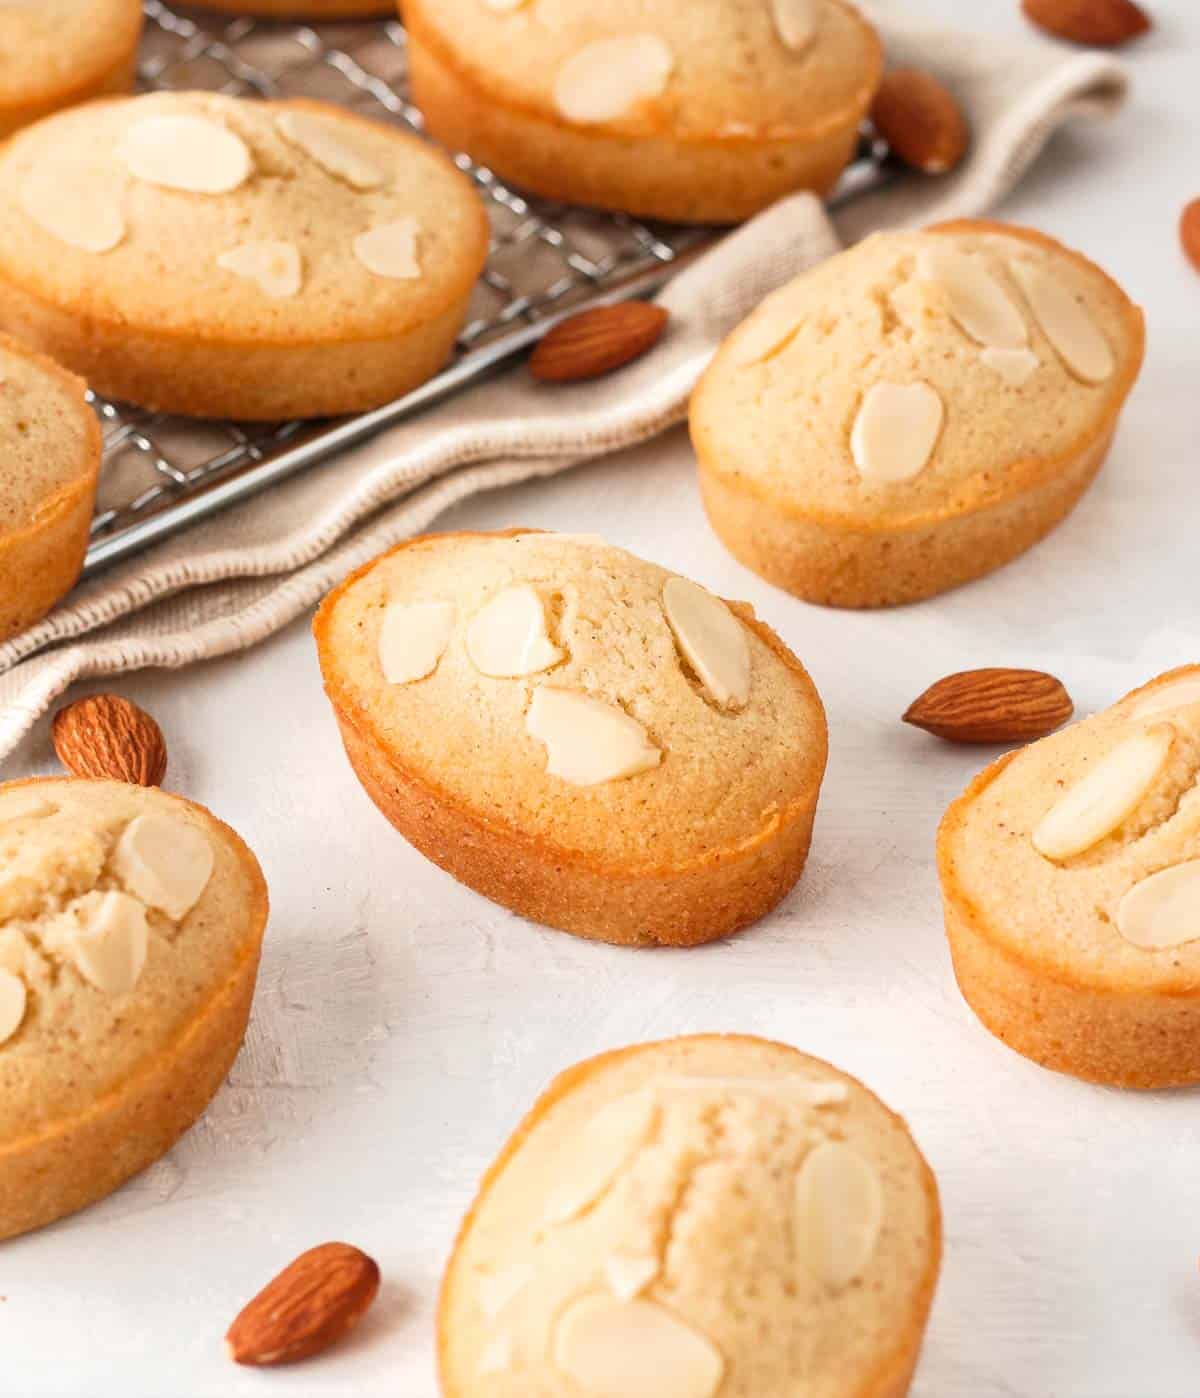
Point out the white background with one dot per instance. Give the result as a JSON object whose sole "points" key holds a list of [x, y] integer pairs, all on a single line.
{"points": [[403, 1024]]}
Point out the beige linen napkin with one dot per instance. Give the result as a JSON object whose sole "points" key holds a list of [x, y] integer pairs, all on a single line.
{"points": [[232, 582]]}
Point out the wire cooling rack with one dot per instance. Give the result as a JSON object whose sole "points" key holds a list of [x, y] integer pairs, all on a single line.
{"points": [[162, 473]]}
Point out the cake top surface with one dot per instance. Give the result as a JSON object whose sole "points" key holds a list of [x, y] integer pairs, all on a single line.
{"points": [[701, 1215], [51, 46], [49, 438], [725, 70], [1082, 851], [564, 690], [236, 220], [920, 373], [123, 913]]}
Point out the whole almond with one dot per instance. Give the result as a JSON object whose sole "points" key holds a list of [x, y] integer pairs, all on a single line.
{"points": [[1189, 232], [105, 736], [1105, 23], [920, 120], [308, 1307], [598, 341], [992, 706]]}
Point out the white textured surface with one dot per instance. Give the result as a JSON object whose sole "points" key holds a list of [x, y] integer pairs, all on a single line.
{"points": [[403, 1024]]}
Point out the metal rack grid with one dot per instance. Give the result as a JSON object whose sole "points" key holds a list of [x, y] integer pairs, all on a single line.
{"points": [[162, 473]]}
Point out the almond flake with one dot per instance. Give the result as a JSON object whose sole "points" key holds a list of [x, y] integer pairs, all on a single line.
{"points": [[896, 431], [795, 21], [1101, 800], [768, 331], [186, 152], [588, 741], [110, 943], [507, 638], [413, 638], [275, 266], [1066, 322], [76, 204], [839, 1213], [712, 639], [13, 999], [635, 1349], [1163, 910], [609, 78], [166, 862], [325, 143], [1176, 695], [975, 300], [390, 250], [602, 1150]]}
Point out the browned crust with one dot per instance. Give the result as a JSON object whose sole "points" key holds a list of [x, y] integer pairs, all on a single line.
{"points": [[894, 1375], [844, 567], [116, 74], [682, 903], [1102, 1032], [40, 561], [71, 1163], [639, 166], [255, 383]]}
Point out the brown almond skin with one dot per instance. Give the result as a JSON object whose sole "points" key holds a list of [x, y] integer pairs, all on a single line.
{"points": [[107, 737], [598, 341], [1102, 23], [309, 1306], [1189, 232], [992, 706], [920, 120]]}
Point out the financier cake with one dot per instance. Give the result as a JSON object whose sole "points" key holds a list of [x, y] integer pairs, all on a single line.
{"points": [[216, 256], [914, 412], [1071, 879], [582, 736], [130, 927], [709, 1217], [50, 452], [694, 113], [56, 53]]}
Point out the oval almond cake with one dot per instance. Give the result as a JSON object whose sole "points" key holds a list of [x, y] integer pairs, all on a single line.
{"points": [[713, 1215], [695, 113], [59, 53], [220, 257], [582, 736], [50, 455], [914, 412], [130, 928], [1070, 874]]}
